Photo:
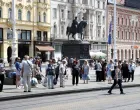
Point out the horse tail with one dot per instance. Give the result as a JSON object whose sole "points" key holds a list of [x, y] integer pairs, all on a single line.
{"points": [[68, 30]]}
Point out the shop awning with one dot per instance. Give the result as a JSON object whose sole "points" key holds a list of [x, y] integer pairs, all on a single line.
{"points": [[45, 48]]}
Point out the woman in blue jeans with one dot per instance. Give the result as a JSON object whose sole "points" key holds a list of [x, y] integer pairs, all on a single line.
{"points": [[50, 74]]}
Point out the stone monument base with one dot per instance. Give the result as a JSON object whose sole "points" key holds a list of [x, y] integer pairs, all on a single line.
{"points": [[76, 49]]}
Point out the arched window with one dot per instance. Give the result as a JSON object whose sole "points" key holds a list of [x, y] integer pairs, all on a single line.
{"points": [[44, 17], [28, 16], [39, 17], [19, 15], [10, 13], [0, 12]]}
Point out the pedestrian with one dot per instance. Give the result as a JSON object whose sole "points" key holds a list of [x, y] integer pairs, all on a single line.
{"points": [[2, 74], [71, 61], [27, 73], [131, 68], [62, 73], [75, 73], [103, 73], [110, 69], [37, 73], [18, 71], [85, 69], [50, 74], [117, 80], [98, 71], [125, 70]]}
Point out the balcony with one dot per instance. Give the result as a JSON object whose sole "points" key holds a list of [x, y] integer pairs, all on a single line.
{"points": [[43, 25], [21, 22], [63, 20]]}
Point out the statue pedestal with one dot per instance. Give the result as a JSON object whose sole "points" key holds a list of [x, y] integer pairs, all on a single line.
{"points": [[76, 49]]}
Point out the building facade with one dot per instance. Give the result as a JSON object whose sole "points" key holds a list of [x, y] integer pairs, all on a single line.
{"points": [[64, 11], [128, 32], [32, 25]]}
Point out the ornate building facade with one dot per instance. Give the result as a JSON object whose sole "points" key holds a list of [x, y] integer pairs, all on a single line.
{"points": [[32, 25], [128, 32], [64, 11]]}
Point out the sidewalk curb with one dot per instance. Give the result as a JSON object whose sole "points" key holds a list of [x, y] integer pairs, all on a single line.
{"points": [[61, 92]]}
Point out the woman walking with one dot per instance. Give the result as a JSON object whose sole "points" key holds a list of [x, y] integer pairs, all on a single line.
{"points": [[18, 71], [86, 72], [110, 69]]}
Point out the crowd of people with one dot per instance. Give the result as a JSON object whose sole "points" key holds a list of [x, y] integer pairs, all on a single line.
{"points": [[30, 71]]}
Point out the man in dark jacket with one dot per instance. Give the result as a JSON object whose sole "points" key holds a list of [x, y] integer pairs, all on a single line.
{"points": [[75, 73]]}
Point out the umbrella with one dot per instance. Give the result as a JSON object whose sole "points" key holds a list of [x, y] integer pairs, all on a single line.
{"points": [[97, 55]]}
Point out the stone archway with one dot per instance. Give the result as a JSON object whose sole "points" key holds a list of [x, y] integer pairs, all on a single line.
{"points": [[9, 53]]}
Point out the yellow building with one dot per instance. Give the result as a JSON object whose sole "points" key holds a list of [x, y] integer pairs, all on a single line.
{"points": [[32, 25]]}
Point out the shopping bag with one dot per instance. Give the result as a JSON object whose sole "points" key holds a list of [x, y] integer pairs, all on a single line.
{"points": [[54, 81], [34, 81], [21, 81], [88, 77]]}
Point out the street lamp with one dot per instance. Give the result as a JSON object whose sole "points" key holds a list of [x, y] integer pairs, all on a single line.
{"points": [[133, 20]]}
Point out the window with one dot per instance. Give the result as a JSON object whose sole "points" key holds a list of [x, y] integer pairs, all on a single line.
{"points": [[24, 35], [103, 19], [39, 1], [118, 21], [44, 1], [118, 34], [126, 22], [28, 16], [54, 13], [39, 17], [62, 13], [129, 35], [69, 17], [122, 35], [45, 38], [1, 34], [98, 4], [122, 21], [91, 2], [10, 13], [98, 18], [136, 37], [62, 30], [0, 12], [19, 15], [39, 35], [103, 5], [126, 35], [44, 17]]}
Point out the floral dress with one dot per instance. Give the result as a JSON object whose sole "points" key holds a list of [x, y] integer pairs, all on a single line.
{"points": [[86, 72]]}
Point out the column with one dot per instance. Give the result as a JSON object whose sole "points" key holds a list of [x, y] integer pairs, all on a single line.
{"points": [[124, 55], [134, 54], [48, 55]]}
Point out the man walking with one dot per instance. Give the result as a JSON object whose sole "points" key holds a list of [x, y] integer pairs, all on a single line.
{"points": [[117, 80], [62, 73], [131, 68], [27, 73]]}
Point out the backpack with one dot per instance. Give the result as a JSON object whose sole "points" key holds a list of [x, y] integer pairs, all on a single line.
{"points": [[96, 67]]}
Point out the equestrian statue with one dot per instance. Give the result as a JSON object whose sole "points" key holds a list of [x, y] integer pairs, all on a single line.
{"points": [[76, 28]]}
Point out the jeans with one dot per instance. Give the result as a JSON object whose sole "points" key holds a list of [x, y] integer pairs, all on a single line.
{"points": [[27, 82], [2, 81], [50, 81], [119, 82]]}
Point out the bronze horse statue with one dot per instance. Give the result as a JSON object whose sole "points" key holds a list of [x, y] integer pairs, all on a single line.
{"points": [[76, 28]]}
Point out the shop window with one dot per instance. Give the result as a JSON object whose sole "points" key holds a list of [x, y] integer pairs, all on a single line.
{"points": [[0, 12], [24, 35], [45, 38], [1, 34]]}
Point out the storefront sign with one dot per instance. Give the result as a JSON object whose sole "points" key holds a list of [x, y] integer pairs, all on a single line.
{"points": [[42, 43], [24, 42]]}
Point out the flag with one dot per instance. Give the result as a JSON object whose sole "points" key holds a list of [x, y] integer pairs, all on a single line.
{"points": [[109, 36]]}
